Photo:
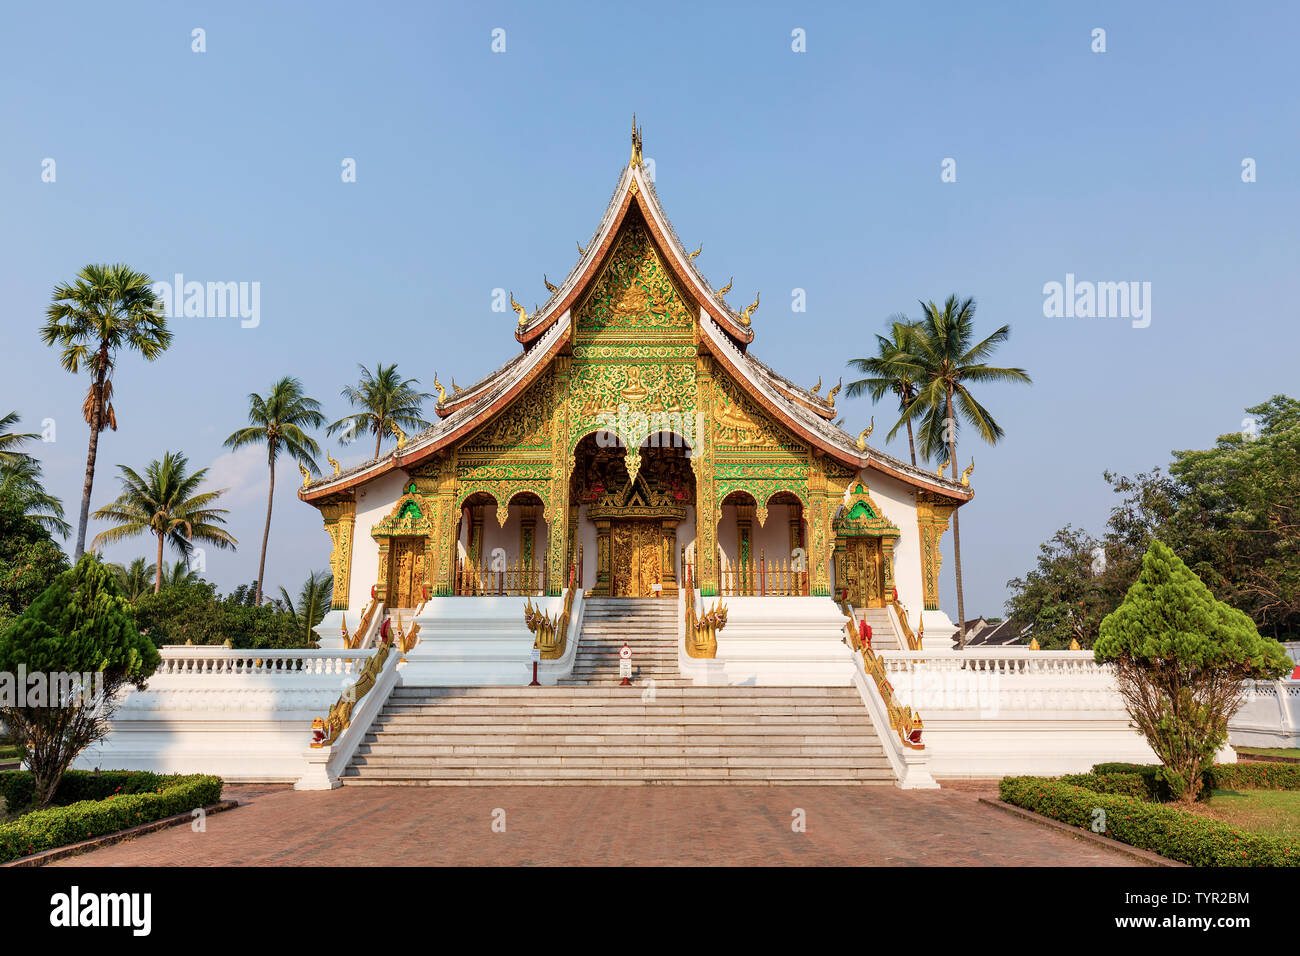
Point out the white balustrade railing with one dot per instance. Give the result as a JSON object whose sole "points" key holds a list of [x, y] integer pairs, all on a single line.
{"points": [[205, 661], [997, 680]]}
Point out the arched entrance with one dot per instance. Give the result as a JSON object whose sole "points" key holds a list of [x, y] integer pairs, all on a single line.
{"points": [[634, 505]]}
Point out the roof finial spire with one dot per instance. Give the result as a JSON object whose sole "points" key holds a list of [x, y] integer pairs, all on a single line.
{"points": [[636, 144]]}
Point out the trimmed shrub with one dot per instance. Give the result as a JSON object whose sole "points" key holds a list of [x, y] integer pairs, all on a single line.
{"points": [[58, 826], [18, 786], [1160, 828], [1222, 776], [1123, 784]]}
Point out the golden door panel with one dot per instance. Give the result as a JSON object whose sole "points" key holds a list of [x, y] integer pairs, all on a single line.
{"points": [[406, 572], [636, 558], [864, 572]]}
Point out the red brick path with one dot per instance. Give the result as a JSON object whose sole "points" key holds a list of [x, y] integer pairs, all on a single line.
{"points": [[729, 826]]}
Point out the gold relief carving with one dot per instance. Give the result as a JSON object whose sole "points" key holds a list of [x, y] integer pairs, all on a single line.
{"points": [[739, 423], [340, 523], [932, 513]]}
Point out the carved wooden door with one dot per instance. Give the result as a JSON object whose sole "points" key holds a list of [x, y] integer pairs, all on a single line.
{"points": [[864, 572], [406, 572], [637, 558]]}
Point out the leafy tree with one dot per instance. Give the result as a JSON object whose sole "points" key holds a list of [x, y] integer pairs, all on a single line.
{"points": [[947, 361], [29, 561], [890, 370], [80, 625], [167, 503], [313, 603], [1065, 596], [387, 402], [107, 309], [1181, 658], [277, 421], [195, 613]]}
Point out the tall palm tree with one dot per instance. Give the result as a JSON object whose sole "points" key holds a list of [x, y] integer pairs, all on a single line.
{"points": [[947, 358], [385, 400], [107, 309], [278, 421], [135, 579], [889, 371], [166, 502], [21, 482], [11, 441], [313, 602]]}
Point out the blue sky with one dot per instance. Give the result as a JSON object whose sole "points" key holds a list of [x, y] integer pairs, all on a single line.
{"points": [[817, 170]]}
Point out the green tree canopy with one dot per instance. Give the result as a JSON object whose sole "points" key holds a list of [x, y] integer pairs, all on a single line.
{"points": [[82, 623], [1181, 658]]}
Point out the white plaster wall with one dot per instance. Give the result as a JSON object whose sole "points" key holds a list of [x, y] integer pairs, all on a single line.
{"points": [[898, 502], [375, 500]]}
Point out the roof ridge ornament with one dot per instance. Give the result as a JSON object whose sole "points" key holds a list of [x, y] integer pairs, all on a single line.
{"points": [[635, 161], [523, 316], [692, 255], [581, 251], [726, 288], [866, 434], [745, 316], [550, 287]]}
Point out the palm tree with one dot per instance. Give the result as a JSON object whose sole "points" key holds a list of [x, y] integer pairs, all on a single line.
{"points": [[385, 401], [278, 421], [313, 601], [945, 360], [135, 579], [178, 574], [165, 502], [21, 482], [889, 371], [10, 441], [108, 308]]}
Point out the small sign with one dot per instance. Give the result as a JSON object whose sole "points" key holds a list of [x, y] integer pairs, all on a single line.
{"points": [[537, 653], [625, 667], [625, 653]]}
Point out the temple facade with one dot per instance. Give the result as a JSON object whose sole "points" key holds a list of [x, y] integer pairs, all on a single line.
{"points": [[635, 447]]}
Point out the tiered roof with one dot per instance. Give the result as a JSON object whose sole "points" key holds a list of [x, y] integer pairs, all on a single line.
{"points": [[723, 332]]}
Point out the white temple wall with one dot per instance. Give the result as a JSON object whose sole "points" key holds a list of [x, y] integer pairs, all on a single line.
{"points": [[898, 501], [375, 501]]}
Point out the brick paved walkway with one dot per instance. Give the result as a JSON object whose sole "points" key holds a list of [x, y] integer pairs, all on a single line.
{"points": [[728, 826]]}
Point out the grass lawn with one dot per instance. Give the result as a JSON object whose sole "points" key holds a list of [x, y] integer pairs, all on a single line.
{"points": [[1270, 812], [8, 757], [1270, 751]]}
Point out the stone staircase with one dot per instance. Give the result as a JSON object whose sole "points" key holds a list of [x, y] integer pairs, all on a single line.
{"points": [[647, 625], [610, 735], [883, 637]]}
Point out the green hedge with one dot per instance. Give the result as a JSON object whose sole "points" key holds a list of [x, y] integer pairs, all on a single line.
{"points": [[1221, 776], [17, 786], [156, 797], [1160, 828], [1119, 784]]}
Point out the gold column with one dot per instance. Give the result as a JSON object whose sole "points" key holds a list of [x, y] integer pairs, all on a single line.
{"points": [[437, 483], [745, 537], [340, 523], [819, 551], [561, 518], [476, 535], [527, 536], [932, 513], [669, 559], [604, 580], [706, 491]]}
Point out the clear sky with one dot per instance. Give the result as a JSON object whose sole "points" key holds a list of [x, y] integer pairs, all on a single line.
{"points": [[818, 170]]}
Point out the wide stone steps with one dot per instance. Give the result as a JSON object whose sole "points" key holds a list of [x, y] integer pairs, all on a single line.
{"points": [[647, 626], [497, 736]]}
